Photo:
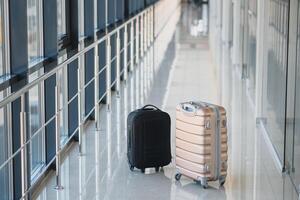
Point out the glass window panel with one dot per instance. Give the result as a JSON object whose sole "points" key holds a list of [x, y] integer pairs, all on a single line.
{"points": [[274, 86], [4, 172], [111, 11], [293, 106], [34, 120], [34, 30], [63, 100], [101, 15], [2, 71], [34, 123], [61, 18]]}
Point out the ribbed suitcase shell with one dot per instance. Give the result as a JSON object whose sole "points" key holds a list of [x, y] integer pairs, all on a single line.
{"points": [[199, 128]]}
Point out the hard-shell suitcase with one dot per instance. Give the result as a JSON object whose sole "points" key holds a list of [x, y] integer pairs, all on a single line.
{"points": [[148, 138], [201, 142]]}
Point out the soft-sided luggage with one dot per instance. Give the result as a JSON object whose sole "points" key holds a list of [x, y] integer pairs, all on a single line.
{"points": [[148, 138], [201, 142]]}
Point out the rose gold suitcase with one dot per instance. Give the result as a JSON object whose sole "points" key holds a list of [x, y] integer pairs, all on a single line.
{"points": [[201, 142]]}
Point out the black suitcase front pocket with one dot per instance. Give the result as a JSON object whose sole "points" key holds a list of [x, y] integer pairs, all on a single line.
{"points": [[155, 141]]}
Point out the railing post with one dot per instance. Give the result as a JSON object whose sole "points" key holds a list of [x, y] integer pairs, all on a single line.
{"points": [[80, 128], [152, 25], [145, 32], [96, 82], [137, 46], [23, 148], [132, 45], [108, 73], [118, 64], [125, 53], [57, 137], [148, 28], [142, 36]]}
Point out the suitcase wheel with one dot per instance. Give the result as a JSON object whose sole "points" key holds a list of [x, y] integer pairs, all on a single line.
{"points": [[177, 176], [157, 169], [143, 170], [204, 184], [222, 181], [131, 167]]}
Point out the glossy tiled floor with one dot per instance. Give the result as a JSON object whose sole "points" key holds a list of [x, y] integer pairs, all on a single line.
{"points": [[182, 71]]}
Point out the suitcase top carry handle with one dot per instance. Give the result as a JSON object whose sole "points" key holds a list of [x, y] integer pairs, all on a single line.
{"points": [[189, 108], [150, 106]]}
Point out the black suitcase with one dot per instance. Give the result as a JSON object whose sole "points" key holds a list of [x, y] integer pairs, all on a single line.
{"points": [[148, 138]]}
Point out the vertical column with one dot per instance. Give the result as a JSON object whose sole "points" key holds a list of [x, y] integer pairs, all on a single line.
{"points": [[131, 45], [152, 25], [125, 53], [137, 46], [106, 14], [149, 27], [6, 35], [118, 63], [142, 36], [108, 74], [23, 136], [95, 11], [145, 31]]}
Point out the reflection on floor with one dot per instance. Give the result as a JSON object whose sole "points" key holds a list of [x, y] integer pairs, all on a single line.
{"points": [[183, 72]]}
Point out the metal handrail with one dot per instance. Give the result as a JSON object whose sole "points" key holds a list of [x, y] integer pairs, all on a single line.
{"points": [[128, 42], [12, 97]]}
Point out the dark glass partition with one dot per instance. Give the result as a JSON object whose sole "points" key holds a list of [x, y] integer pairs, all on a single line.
{"points": [[275, 69]]}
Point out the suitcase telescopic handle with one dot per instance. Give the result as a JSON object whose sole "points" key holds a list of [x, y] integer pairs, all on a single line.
{"points": [[150, 106]]}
